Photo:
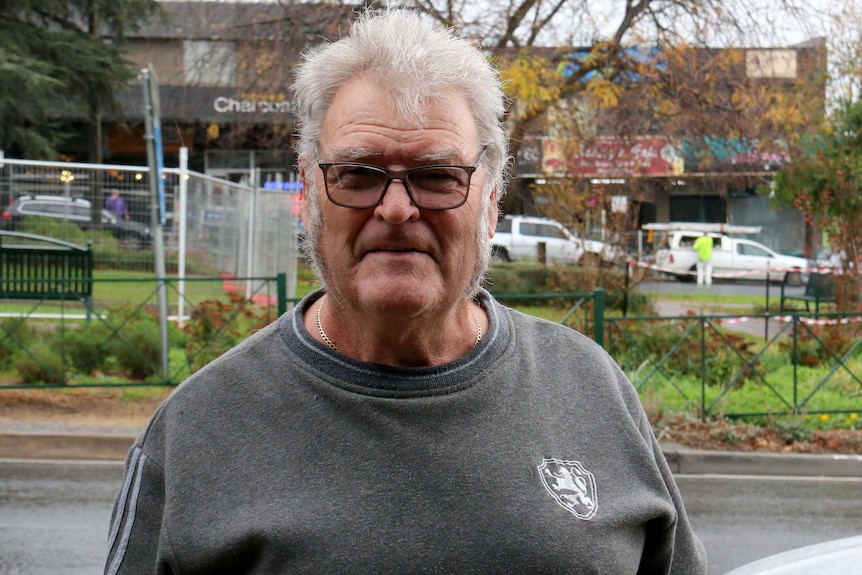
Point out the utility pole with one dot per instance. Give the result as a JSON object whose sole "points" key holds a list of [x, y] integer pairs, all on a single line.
{"points": [[96, 154], [157, 200]]}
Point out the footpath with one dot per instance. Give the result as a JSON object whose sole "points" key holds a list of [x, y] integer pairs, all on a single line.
{"points": [[38, 440]]}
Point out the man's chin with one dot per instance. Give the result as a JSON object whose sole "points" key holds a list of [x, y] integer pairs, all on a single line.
{"points": [[400, 293]]}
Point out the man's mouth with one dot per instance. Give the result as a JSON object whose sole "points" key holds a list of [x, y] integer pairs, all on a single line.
{"points": [[396, 251]]}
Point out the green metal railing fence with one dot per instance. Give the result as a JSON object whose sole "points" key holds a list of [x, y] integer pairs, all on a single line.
{"points": [[702, 364], [579, 314], [55, 342], [694, 364]]}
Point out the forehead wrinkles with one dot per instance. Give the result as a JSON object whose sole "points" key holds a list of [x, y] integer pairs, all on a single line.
{"points": [[361, 153]]}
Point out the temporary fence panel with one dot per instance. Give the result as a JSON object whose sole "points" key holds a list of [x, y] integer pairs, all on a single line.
{"points": [[69, 196], [232, 229]]}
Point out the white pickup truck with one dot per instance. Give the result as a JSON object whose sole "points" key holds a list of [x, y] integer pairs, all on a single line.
{"points": [[732, 258], [518, 237]]}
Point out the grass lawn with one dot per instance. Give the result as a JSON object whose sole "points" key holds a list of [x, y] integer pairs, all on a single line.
{"points": [[114, 288]]}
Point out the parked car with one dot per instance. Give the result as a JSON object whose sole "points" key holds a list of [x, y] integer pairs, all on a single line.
{"points": [[732, 258], [518, 237], [825, 260], [129, 233], [837, 557]]}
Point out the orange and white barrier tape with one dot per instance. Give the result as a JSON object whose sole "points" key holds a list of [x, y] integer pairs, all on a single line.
{"points": [[817, 321], [717, 275]]}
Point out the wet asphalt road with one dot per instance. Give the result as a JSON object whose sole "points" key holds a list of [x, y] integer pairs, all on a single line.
{"points": [[54, 516]]}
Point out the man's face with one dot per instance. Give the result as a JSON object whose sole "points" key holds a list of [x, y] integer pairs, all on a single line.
{"points": [[395, 259]]}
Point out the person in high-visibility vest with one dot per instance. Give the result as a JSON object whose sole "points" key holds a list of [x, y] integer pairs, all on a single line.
{"points": [[703, 247]]}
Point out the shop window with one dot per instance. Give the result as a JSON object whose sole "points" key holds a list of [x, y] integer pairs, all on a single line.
{"points": [[209, 63]]}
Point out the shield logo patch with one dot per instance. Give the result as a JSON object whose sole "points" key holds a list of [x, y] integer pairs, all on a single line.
{"points": [[572, 486]]}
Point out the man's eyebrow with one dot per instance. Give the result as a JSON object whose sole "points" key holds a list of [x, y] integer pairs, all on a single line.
{"points": [[446, 156], [351, 154], [359, 154]]}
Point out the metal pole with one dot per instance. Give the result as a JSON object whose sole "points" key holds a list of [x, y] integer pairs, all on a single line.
{"points": [[155, 215], [180, 222], [599, 316], [626, 290], [249, 248], [293, 253], [702, 369], [766, 318], [281, 291]]}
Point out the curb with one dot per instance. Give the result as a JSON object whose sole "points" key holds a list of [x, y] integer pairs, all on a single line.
{"points": [[73, 446], [683, 460]]}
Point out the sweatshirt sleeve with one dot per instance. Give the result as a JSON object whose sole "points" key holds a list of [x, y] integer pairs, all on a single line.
{"points": [[136, 542], [670, 543], [675, 542], [688, 556]]}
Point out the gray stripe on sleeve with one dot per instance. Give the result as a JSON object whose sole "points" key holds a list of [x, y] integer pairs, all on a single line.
{"points": [[139, 459], [124, 492]]}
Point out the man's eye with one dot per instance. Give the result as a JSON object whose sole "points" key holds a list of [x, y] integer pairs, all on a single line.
{"points": [[355, 177], [439, 179]]}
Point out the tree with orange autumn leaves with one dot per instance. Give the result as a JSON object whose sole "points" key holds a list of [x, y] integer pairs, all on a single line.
{"points": [[682, 93], [580, 69], [649, 69]]}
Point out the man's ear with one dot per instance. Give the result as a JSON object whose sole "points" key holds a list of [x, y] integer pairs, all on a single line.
{"points": [[493, 213]]}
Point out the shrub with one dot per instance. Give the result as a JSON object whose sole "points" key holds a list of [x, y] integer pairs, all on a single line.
{"points": [[87, 347], [15, 333], [107, 251], [41, 362], [819, 345], [531, 279], [791, 429], [635, 344], [216, 326], [139, 351], [66, 231]]}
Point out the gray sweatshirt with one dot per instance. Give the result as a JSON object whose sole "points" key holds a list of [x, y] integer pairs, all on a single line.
{"points": [[530, 454]]}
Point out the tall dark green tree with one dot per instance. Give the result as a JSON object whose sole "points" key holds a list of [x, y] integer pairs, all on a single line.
{"points": [[61, 60]]}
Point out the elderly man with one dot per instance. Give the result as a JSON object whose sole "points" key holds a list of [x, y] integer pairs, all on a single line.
{"points": [[400, 420]]}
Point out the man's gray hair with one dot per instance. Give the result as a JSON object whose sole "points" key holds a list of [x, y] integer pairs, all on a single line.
{"points": [[416, 61]]}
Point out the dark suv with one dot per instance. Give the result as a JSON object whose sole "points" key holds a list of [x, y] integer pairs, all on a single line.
{"points": [[129, 233]]}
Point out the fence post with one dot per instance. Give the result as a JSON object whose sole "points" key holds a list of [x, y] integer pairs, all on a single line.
{"points": [[795, 356], [281, 292], [599, 316], [88, 301], [702, 369]]}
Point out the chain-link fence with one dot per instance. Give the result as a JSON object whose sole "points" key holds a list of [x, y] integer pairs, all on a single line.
{"points": [[211, 227]]}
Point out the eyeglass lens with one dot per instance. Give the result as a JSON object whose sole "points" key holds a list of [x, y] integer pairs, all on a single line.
{"points": [[430, 187]]}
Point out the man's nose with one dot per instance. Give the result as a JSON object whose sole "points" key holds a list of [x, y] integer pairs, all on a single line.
{"points": [[397, 206]]}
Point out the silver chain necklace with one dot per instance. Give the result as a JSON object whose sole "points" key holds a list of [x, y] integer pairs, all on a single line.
{"points": [[333, 347]]}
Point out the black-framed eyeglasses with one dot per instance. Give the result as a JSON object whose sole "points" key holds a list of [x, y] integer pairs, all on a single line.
{"points": [[362, 186]]}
